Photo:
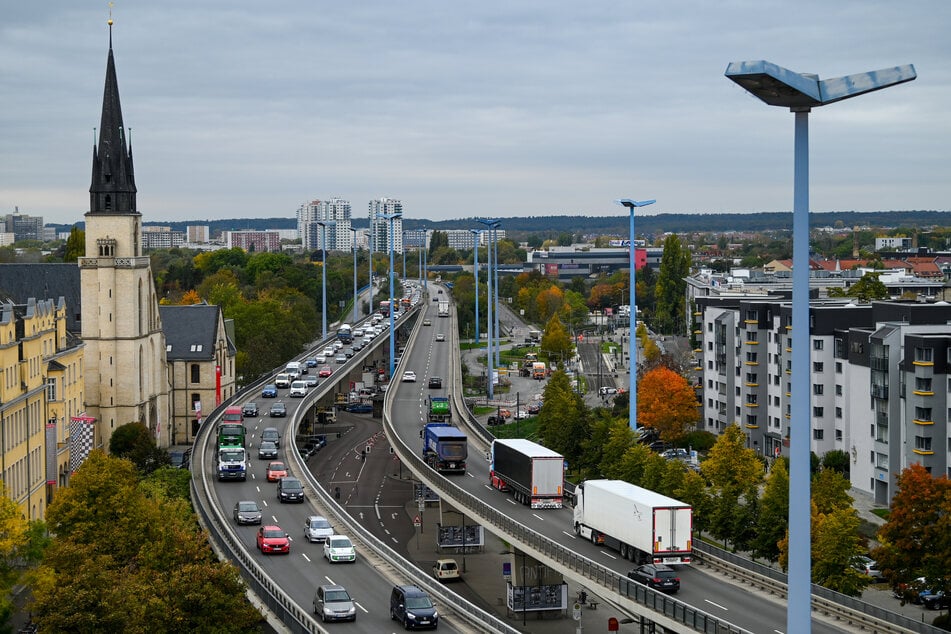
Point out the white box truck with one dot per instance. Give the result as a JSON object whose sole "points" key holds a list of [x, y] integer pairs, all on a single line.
{"points": [[535, 474], [644, 526]]}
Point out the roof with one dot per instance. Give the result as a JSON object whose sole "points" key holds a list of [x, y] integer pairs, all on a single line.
{"points": [[21, 281], [191, 331]]}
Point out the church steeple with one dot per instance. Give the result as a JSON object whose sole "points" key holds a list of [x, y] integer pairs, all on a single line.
{"points": [[113, 179]]}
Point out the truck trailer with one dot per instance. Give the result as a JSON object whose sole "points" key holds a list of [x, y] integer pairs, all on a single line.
{"points": [[439, 410], [535, 474], [445, 448], [442, 309], [643, 526]]}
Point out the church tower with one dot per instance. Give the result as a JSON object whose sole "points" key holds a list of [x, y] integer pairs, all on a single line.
{"points": [[126, 372]]}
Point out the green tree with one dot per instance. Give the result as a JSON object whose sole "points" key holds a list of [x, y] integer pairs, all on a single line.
{"points": [[556, 342], [562, 421], [135, 442], [830, 491], [670, 309], [837, 460], [773, 513], [75, 245], [734, 473], [22, 544]]}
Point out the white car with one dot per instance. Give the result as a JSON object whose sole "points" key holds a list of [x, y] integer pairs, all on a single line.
{"points": [[358, 332], [329, 351], [339, 548], [521, 414], [317, 529], [321, 359], [298, 388], [440, 337], [409, 377]]}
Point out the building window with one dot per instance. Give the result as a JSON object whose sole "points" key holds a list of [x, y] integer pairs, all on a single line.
{"points": [[924, 355], [196, 373], [818, 389], [751, 357], [818, 366], [838, 434], [751, 420], [818, 412], [751, 377], [817, 434], [838, 367], [922, 443], [50, 390], [838, 412], [838, 390], [923, 414], [196, 401], [922, 384], [817, 344], [751, 316], [752, 335]]}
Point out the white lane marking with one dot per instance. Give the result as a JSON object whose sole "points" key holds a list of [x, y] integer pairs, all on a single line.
{"points": [[540, 518], [361, 607], [717, 605], [304, 555], [571, 535], [606, 554]]}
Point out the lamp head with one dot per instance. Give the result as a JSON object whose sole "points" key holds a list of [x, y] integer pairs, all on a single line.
{"points": [[630, 203]]}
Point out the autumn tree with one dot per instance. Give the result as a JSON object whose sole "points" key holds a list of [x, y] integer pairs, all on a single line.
{"points": [[75, 245], [130, 562], [666, 402], [830, 491], [773, 517], [21, 546], [734, 473], [556, 342], [549, 302], [916, 539]]}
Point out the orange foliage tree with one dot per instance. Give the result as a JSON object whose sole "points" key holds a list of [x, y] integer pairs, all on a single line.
{"points": [[667, 403]]}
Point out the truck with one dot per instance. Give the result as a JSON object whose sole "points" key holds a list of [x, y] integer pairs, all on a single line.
{"points": [[539, 370], [535, 474], [385, 308], [642, 525], [232, 463], [345, 334], [445, 448], [443, 309], [233, 414], [439, 410]]}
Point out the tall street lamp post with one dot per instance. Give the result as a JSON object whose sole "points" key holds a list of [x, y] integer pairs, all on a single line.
{"points": [[476, 233], [631, 346], [389, 238], [404, 256], [323, 277], [800, 92], [353, 238], [491, 387]]}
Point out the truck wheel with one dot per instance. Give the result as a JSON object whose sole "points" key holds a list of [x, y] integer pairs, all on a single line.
{"points": [[623, 550], [577, 529]]}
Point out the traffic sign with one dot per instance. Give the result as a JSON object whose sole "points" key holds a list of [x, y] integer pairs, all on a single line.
{"points": [[417, 522]]}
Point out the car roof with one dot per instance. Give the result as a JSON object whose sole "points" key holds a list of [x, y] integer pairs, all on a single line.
{"points": [[290, 479], [267, 442], [412, 591]]}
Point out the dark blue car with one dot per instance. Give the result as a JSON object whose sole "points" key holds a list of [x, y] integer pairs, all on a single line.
{"points": [[269, 391]]}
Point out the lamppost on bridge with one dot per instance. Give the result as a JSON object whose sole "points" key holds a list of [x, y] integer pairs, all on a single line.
{"points": [[476, 235], [800, 92], [393, 308], [323, 277], [490, 224], [353, 237], [403, 249], [631, 346]]}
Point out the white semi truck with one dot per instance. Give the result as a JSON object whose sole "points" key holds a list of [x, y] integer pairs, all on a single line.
{"points": [[643, 526], [535, 474]]}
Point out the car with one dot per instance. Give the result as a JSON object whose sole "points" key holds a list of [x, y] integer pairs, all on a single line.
{"points": [[606, 390], [358, 346], [333, 603], [446, 570], [440, 336], [435, 299], [409, 377], [413, 608], [272, 434], [298, 389], [495, 420], [290, 489], [358, 332], [278, 410], [656, 576], [269, 391], [271, 539], [504, 413], [317, 529], [426, 322], [435, 383], [521, 414], [283, 380], [179, 458], [359, 408], [349, 352], [311, 380], [250, 410], [867, 566], [339, 548], [679, 453], [936, 600], [328, 352], [321, 359], [267, 450], [534, 407], [340, 359], [312, 362], [910, 591], [276, 470], [324, 371], [439, 291], [247, 512], [337, 346]]}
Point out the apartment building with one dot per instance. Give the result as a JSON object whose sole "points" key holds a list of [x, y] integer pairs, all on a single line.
{"points": [[335, 213], [380, 238]]}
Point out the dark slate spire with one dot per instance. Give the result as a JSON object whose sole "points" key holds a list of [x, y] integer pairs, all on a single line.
{"points": [[113, 179]]}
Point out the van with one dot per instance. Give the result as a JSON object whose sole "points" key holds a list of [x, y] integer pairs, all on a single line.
{"points": [[295, 368], [282, 380], [413, 608]]}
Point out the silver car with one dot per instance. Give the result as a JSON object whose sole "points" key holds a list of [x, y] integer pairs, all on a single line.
{"points": [[317, 529], [333, 603], [247, 512]]}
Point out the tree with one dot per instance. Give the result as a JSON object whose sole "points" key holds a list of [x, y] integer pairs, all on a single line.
{"points": [[734, 473], [837, 460], [916, 539], [562, 421], [773, 513], [869, 287], [134, 441], [22, 544], [830, 491], [670, 299], [666, 402], [75, 245], [556, 342]]}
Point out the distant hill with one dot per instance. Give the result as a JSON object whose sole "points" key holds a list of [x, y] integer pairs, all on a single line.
{"points": [[614, 224]]}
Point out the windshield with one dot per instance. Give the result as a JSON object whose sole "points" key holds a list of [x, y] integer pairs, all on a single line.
{"points": [[336, 596], [274, 533], [291, 485], [232, 456], [320, 524], [340, 543], [418, 603], [276, 466], [248, 506]]}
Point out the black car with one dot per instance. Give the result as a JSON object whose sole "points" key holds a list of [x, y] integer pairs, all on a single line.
{"points": [[435, 383], [936, 600], [250, 409], [277, 410], [656, 576], [290, 490], [495, 420], [272, 434], [267, 450]]}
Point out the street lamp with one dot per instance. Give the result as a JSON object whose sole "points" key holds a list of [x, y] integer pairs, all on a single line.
{"points": [[389, 238], [800, 92], [323, 277], [353, 239], [403, 249], [476, 233], [631, 346], [490, 224]]}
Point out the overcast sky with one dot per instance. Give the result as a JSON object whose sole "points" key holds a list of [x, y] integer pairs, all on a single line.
{"points": [[518, 108]]}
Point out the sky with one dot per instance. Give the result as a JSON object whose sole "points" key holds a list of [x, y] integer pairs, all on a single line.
{"points": [[470, 109]]}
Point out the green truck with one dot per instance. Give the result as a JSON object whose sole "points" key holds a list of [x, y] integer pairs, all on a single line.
{"points": [[231, 435], [439, 409]]}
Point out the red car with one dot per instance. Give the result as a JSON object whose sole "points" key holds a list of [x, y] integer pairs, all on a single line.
{"points": [[324, 371], [276, 471], [272, 539]]}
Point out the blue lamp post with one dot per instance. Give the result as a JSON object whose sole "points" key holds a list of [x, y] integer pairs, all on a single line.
{"points": [[389, 239], [353, 238], [631, 345], [495, 284], [490, 224], [800, 92], [323, 277], [476, 233], [403, 249]]}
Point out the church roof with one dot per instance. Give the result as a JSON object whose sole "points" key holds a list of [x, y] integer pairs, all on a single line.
{"points": [[20, 282], [191, 332]]}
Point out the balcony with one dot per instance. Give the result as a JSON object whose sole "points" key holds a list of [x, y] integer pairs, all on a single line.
{"points": [[879, 391], [922, 393], [878, 363], [923, 422], [923, 452]]}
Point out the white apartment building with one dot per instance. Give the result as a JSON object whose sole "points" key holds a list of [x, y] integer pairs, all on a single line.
{"points": [[336, 213], [380, 238], [878, 380]]}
